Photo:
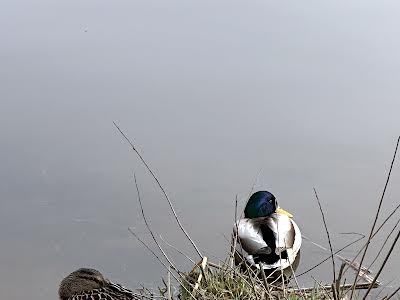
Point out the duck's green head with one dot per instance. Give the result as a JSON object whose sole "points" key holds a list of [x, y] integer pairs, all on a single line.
{"points": [[262, 204]]}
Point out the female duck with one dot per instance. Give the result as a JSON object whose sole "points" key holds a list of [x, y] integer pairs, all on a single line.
{"points": [[268, 235], [90, 284]]}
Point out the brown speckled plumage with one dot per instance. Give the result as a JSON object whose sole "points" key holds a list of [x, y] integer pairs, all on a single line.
{"points": [[90, 284]]}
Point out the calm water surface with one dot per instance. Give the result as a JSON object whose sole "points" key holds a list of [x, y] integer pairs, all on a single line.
{"points": [[211, 93]]}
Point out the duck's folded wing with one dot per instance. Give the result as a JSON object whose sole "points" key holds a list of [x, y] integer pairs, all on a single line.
{"points": [[249, 235], [121, 293], [282, 229]]}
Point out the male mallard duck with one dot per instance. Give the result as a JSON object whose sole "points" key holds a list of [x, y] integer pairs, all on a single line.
{"points": [[268, 235], [90, 284]]}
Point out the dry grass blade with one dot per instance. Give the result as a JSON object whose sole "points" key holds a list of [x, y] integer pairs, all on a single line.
{"points": [[383, 265], [161, 187], [384, 244], [377, 214], [339, 279], [226, 268], [329, 241], [264, 278]]}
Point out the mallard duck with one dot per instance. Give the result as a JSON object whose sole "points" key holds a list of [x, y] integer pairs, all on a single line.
{"points": [[90, 284], [268, 235]]}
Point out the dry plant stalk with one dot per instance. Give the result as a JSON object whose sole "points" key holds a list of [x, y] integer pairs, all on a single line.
{"points": [[161, 188], [330, 244], [148, 226], [376, 215]]}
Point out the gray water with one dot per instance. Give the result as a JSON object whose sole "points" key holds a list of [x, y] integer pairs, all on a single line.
{"points": [[213, 93]]}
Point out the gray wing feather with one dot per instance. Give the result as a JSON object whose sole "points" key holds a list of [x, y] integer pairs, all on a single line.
{"points": [[251, 233]]}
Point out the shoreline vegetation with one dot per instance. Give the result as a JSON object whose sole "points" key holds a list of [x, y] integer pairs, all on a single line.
{"points": [[233, 279]]}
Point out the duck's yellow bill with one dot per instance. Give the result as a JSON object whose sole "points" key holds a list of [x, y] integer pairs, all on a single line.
{"points": [[283, 212]]}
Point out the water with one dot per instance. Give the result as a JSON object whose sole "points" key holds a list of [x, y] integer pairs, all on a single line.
{"points": [[211, 93]]}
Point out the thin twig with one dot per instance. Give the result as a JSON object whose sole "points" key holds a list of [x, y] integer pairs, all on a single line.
{"points": [[252, 188], [161, 188], [383, 264], [375, 233], [329, 257], [159, 259], [359, 286], [329, 241], [387, 218], [148, 226], [264, 278], [176, 249], [255, 182], [325, 288], [234, 237], [148, 248], [377, 213], [384, 244], [392, 294], [295, 280], [338, 289], [383, 287]]}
